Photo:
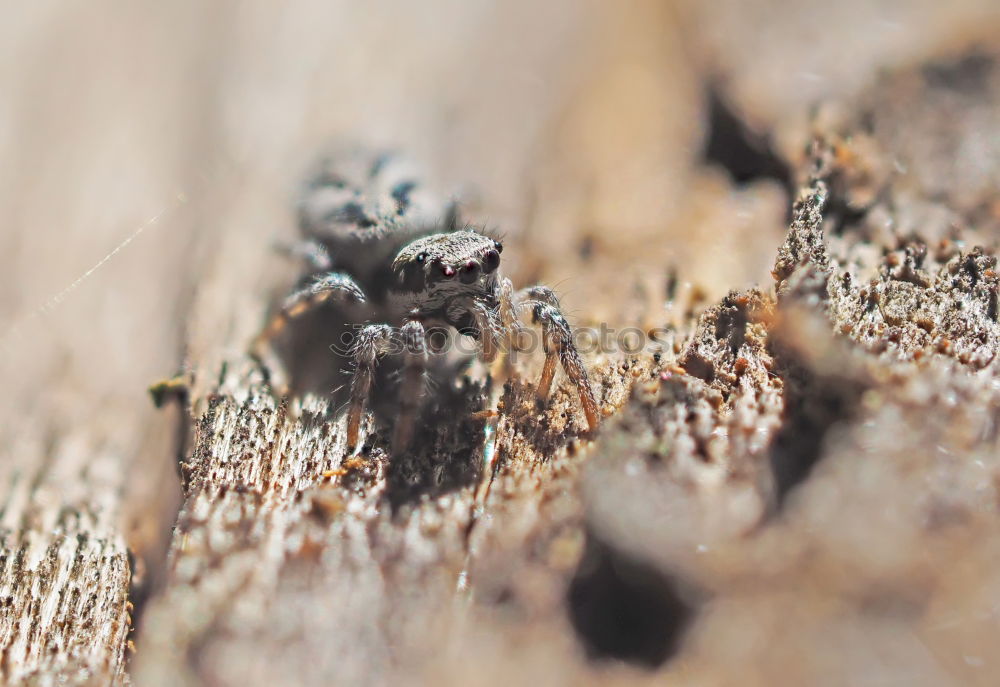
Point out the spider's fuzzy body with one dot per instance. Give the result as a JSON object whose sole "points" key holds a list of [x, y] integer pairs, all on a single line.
{"points": [[394, 266]]}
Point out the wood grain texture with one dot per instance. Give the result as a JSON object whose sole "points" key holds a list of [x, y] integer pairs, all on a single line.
{"points": [[64, 573], [800, 486]]}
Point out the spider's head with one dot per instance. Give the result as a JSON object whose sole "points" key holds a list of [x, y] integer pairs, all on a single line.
{"points": [[456, 258]]}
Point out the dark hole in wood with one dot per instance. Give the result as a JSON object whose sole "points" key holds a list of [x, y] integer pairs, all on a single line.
{"points": [[624, 609]]}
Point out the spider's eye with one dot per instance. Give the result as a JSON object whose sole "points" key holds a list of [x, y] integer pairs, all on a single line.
{"points": [[470, 272], [421, 257], [498, 246], [491, 260]]}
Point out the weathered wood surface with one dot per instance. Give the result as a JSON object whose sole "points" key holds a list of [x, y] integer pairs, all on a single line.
{"points": [[86, 484], [695, 512], [801, 487], [64, 571]]}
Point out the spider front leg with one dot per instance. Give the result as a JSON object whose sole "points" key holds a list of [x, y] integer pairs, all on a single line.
{"points": [[557, 341], [489, 327], [411, 392], [330, 286], [372, 342]]}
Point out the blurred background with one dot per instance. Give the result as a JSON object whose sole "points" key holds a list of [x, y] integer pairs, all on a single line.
{"points": [[151, 154]]}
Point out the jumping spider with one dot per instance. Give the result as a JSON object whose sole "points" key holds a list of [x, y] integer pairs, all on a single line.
{"points": [[382, 255]]}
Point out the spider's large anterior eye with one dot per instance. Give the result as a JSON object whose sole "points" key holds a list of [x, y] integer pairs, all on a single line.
{"points": [[470, 272], [491, 261]]}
